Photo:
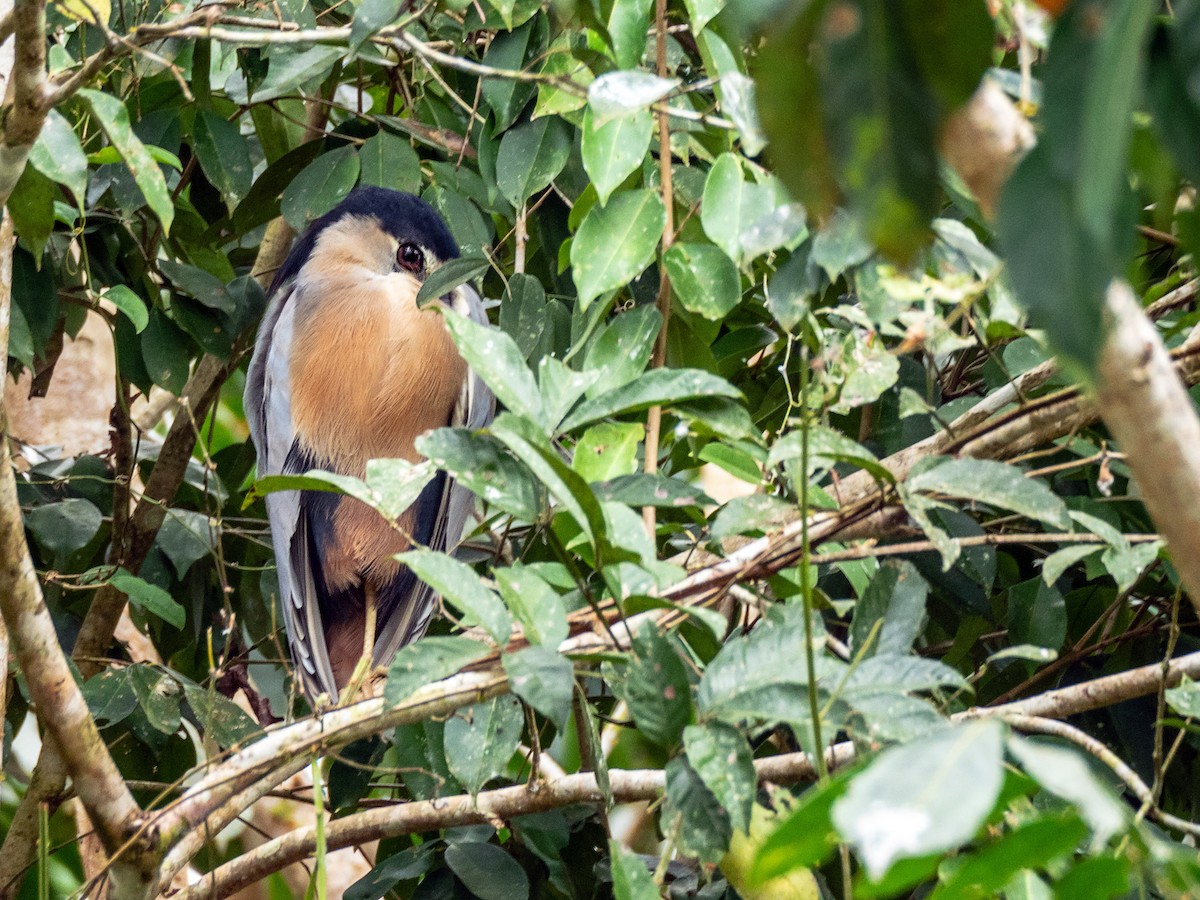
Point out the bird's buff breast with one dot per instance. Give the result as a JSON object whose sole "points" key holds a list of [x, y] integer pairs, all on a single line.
{"points": [[370, 372]]}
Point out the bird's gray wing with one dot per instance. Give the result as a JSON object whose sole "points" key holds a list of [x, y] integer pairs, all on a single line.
{"points": [[269, 413], [476, 407]]}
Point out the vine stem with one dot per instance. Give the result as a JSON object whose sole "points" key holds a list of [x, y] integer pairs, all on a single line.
{"points": [[654, 415]]}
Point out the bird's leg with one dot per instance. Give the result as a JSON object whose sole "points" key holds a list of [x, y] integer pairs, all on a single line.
{"points": [[364, 662]]}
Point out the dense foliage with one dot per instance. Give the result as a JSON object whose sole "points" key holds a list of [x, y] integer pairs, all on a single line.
{"points": [[769, 174]]}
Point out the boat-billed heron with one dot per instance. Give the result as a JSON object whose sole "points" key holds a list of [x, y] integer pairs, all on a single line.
{"points": [[348, 369]]}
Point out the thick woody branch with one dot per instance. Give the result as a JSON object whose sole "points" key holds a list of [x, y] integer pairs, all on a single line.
{"points": [[56, 697], [50, 775], [25, 108], [628, 786], [1149, 412], [488, 807]]}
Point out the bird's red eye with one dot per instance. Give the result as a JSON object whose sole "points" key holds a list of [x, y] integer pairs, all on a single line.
{"points": [[410, 258]]}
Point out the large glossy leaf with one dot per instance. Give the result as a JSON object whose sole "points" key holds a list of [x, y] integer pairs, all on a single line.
{"points": [[721, 757], [223, 154], [614, 149], [544, 679], [481, 739], [458, 585], [928, 796], [616, 242], [429, 659], [889, 615], [58, 155], [996, 484], [705, 279], [112, 116], [495, 358], [531, 156], [656, 688], [320, 187], [656, 387]]}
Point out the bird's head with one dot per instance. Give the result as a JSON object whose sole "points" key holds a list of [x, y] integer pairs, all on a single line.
{"points": [[374, 231]]}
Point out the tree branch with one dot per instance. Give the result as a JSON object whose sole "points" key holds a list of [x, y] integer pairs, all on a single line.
{"points": [[488, 807], [57, 700], [1154, 421], [23, 114]]}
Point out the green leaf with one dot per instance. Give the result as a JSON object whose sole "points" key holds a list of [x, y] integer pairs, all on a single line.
{"points": [[185, 538], [704, 828], [622, 348], [1030, 845], [616, 242], [481, 464], [449, 275], [531, 156], [109, 695], [481, 739], [731, 204], [487, 871], [1185, 699], [31, 206], [196, 282], [159, 696], [613, 150], [928, 796], [627, 25], [149, 597], [223, 155], [827, 447], [66, 526], [537, 606], [58, 155], [753, 513], [110, 112], [840, 245], [739, 102], [631, 878], [322, 185], [608, 450], [390, 488], [701, 12], [133, 306], [896, 674], [651, 490], [891, 612], [1037, 614], [220, 718], [564, 483], [457, 583], [560, 387], [495, 357], [721, 757], [292, 68], [409, 864], [523, 312], [807, 836], [704, 278], [656, 687], [663, 387], [544, 679], [369, 17], [512, 50], [390, 161], [616, 94], [994, 483], [1065, 773], [426, 661]]}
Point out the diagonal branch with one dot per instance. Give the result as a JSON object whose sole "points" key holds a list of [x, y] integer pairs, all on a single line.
{"points": [[57, 700], [26, 108]]}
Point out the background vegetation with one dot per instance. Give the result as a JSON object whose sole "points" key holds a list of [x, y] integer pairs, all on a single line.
{"points": [[926, 635]]}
